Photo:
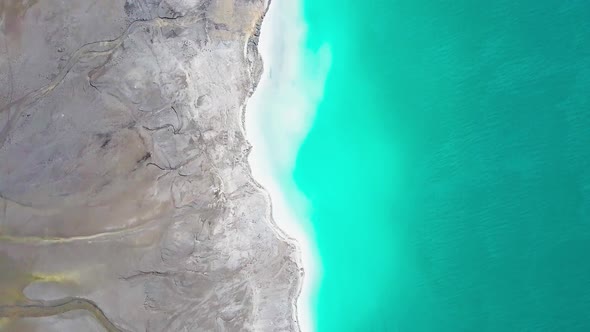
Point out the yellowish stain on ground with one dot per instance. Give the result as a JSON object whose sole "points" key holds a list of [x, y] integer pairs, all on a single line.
{"points": [[4, 322], [13, 279], [62, 278]]}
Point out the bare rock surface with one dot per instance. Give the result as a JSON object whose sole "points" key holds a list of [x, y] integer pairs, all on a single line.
{"points": [[126, 200]]}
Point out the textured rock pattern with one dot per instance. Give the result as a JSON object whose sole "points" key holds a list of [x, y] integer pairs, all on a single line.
{"points": [[126, 201]]}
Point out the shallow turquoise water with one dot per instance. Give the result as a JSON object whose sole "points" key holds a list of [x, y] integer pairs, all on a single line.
{"points": [[448, 167]]}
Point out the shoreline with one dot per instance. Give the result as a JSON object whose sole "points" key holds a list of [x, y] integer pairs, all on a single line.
{"points": [[281, 215], [167, 121]]}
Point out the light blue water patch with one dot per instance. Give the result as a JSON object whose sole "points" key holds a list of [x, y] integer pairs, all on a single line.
{"points": [[448, 166]]}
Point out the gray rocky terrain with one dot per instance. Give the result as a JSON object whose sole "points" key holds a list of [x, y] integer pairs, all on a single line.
{"points": [[126, 200]]}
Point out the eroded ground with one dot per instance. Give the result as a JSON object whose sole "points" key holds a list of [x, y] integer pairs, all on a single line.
{"points": [[126, 202]]}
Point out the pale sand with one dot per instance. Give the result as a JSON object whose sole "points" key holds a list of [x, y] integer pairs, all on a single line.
{"points": [[278, 117]]}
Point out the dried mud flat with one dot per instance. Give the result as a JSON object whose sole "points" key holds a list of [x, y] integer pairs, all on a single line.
{"points": [[126, 200]]}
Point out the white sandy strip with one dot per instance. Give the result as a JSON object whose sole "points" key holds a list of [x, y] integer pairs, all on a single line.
{"points": [[278, 117]]}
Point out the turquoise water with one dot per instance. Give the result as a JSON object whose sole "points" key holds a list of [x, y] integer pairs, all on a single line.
{"points": [[448, 166]]}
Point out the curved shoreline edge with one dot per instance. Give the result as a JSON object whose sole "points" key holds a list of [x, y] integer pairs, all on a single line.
{"points": [[201, 65], [286, 229]]}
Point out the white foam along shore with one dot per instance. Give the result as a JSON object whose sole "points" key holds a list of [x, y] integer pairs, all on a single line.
{"points": [[278, 117]]}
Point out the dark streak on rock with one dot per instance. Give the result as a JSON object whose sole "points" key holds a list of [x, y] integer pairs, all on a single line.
{"points": [[145, 157], [106, 139]]}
